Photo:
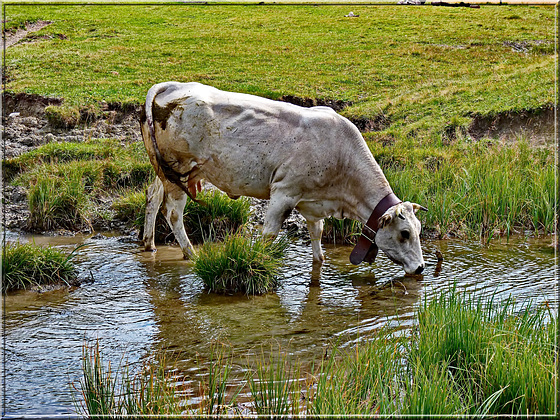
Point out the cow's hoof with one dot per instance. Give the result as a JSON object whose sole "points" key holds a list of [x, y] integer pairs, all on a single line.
{"points": [[150, 249], [319, 260]]}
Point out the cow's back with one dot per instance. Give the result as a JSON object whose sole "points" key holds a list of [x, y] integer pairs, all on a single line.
{"points": [[243, 143]]}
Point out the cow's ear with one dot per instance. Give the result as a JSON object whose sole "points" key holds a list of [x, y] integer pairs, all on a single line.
{"points": [[384, 220], [417, 207]]}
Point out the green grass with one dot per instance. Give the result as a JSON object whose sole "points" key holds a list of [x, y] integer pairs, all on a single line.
{"points": [[67, 182], [274, 384], [113, 394], [421, 75], [416, 69], [242, 263], [218, 217], [61, 152], [341, 231], [27, 265], [463, 357], [476, 189]]}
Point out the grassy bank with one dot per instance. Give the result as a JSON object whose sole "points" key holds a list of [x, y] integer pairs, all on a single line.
{"points": [[68, 184], [472, 189], [416, 80], [462, 357], [476, 189], [415, 71], [26, 265]]}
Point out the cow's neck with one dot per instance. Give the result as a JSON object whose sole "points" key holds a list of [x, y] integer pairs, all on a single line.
{"points": [[374, 188]]}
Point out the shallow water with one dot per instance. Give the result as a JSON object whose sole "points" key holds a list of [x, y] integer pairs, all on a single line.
{"points": [[139, 302]]}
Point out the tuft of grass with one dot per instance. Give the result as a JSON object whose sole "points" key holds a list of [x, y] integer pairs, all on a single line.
{"points": [[341, 231], [63, 116], [218, 217], [105, 394], [500, 358], [66, 182], [61, 200], [215, 399], [242, 263], [130, 207], [275, 385], [27, 265], [464, 357]]}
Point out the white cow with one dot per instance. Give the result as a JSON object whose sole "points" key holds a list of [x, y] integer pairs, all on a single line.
{"points": [[311, 159]]}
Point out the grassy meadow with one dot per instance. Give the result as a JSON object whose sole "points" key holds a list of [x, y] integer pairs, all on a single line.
{"points": [[413, 79], [416, 70]]}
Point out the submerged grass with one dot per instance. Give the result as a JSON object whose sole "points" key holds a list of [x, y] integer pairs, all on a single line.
{"points": [[242, 263], [463, 357], [27, 265]]}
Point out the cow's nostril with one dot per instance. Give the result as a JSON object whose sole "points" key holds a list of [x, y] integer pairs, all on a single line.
{"points": [[420, 269]]}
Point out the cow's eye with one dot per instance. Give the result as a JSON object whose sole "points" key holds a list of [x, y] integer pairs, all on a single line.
{"points": [[405, 234]]}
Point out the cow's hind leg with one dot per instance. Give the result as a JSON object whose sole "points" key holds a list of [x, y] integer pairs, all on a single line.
{"points": [[315, 232], [173, 206], [154, 198]]}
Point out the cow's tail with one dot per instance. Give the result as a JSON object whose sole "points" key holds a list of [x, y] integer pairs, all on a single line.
{"points": [[170, 174]]}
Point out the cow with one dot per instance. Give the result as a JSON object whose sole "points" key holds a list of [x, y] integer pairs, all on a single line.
{"points": [[310, 159]]}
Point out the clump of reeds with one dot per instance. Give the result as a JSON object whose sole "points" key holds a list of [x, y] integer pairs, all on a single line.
{"points": [[341, 231], [274, 384], [153, 388], [216, 396], [27, 265], [218, 217], [242, 263], [108, 394], [500, 357], [464, 357]]}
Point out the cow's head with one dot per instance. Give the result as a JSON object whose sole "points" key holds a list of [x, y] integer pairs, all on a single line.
{"points": [[399, 236]]}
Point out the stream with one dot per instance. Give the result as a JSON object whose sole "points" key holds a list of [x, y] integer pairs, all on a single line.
{"points": [[138, 302]]}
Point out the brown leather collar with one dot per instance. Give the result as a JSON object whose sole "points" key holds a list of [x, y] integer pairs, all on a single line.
{"points": [[366, 249]]}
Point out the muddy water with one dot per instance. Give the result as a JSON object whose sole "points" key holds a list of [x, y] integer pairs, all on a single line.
{"points": [[139, 302]]}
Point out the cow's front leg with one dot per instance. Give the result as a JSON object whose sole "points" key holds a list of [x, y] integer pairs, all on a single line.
{"points": [[279, 208], [173, 207], [315, 232], [154, 198]]}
